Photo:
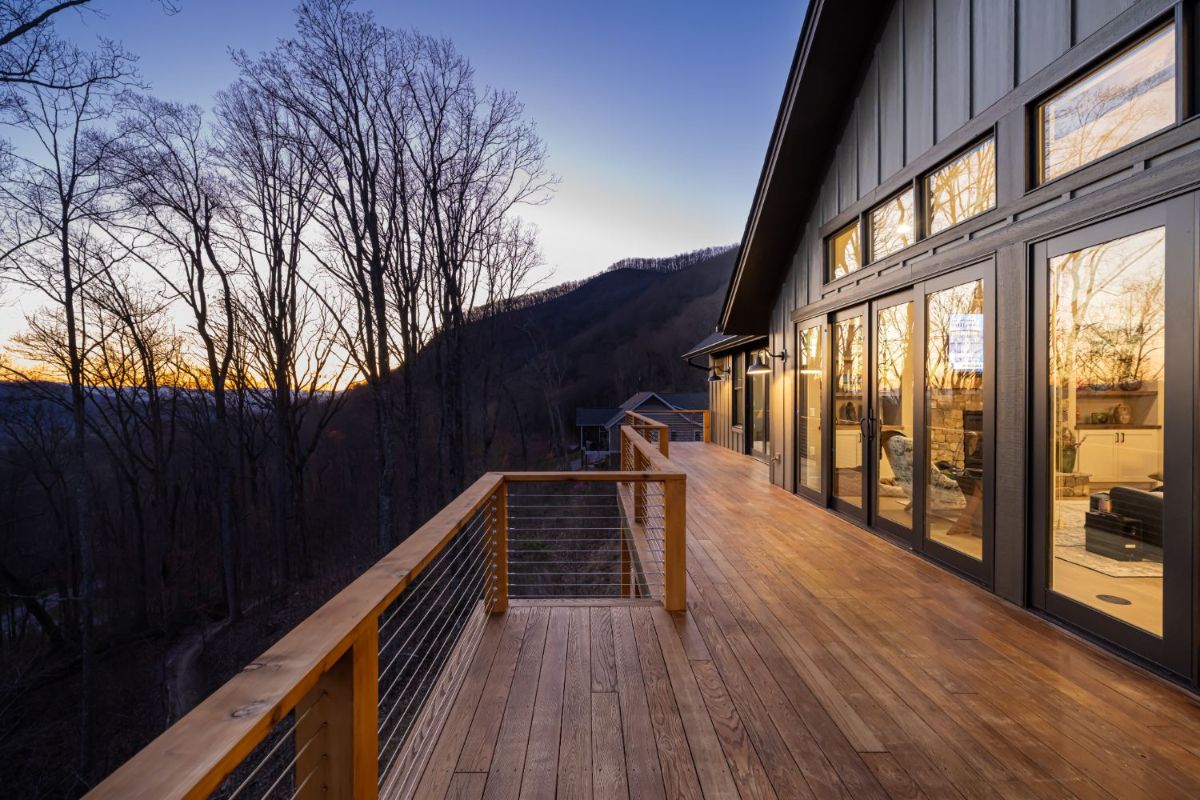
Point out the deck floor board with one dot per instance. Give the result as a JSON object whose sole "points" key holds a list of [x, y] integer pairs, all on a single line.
{"points": [[815, 660]]}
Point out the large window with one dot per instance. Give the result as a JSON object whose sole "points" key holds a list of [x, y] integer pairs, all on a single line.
{"points": [[954, 406], [760, 400], [810, 405], [962, 188], [892, 225], [737, 393], [1107, 339], [844, 251], [1130, 96]]}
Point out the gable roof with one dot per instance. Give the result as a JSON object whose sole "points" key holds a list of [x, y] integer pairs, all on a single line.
{"points": [[684, 401], [587, 417], [825, 71]]}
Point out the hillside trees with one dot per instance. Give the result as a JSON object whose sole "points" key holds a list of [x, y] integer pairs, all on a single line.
{"points": [[57, 194], [180, 421]]}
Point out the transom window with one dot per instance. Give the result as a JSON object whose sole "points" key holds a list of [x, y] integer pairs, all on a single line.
{"points": [[844, 251], [1130, 96], [961, 188], [892, 227]]}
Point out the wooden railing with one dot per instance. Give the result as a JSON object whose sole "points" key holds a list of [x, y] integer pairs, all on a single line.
{"points": [[350, 703], [681, 424]]}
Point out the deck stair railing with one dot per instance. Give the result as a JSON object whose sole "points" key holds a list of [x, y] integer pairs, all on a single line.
{"points": [[351, 702]]}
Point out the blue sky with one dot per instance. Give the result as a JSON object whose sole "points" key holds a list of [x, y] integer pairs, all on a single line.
{"points": [[656, 114]]}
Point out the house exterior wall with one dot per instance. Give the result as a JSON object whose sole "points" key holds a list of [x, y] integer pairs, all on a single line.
{"points": [[720, 404], [943, 74]]}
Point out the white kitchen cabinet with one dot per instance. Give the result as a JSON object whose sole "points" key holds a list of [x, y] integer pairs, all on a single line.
{"points": [[847, 448], [1127, 455]]}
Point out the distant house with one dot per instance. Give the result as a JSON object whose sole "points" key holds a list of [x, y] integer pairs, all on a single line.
{"points": [[599, 428], [592, 424]]}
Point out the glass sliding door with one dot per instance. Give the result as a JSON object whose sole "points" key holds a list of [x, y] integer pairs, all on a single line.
{"points": [[849, 361], [957, 419], [760, 408], [1114, 478], [1107, 391], [893, 420], [810, 408]]}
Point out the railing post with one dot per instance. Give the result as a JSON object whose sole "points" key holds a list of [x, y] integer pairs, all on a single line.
{"points": [[675, 544], [500, 550], [664, 441], [707, 427], [337, 729]]}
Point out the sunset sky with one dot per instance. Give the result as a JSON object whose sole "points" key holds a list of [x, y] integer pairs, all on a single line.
{"points": [[656, 115]]}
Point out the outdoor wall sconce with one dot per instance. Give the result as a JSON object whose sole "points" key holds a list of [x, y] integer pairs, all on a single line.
{"points": [[760, 367]]}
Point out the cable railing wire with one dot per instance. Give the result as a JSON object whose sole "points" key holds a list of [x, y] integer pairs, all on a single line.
{"points": [[437, 619]]}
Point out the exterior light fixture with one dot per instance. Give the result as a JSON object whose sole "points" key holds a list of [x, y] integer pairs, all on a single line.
{"points": [[714, 376], [760, 367]]}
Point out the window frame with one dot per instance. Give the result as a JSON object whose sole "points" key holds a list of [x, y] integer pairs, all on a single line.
{"points": [[737, 391], [918, 221], [857, 223], [1035, 110], [923, 184]]}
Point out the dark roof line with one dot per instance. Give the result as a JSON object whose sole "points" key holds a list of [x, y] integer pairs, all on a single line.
{"points": [[716, 343], [826, 68]]}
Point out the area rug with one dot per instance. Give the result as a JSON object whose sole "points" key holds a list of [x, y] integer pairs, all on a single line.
{"points": [[1069, 545]]}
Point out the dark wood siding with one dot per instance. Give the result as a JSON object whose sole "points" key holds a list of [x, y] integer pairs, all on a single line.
{"points": [[847, 168], [868, 131], [889, 56], [1043, 34], [991, 59], [918, 77], [953, 59], [1091, 15]]}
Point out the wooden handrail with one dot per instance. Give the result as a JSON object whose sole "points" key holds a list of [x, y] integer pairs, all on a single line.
{"points": [[195, 754], [332, 658], [643, 424]]}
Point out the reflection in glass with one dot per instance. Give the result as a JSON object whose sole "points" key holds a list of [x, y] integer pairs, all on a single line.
{"points": [[892, 225], [759, 406], [962, 188], [894, 411], [739, 376], [810, 404], [844, 255], [1107, 392], [1131, 96], [954, 379], [849, 378]]}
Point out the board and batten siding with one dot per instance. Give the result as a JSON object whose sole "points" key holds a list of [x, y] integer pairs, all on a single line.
{"points": [[937, 66], [720, 399]]}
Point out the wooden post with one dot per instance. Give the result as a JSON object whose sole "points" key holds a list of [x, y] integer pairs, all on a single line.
{"points": [[675, 544], [337, 733], [664, 441], [707, 427], [500, 550]]}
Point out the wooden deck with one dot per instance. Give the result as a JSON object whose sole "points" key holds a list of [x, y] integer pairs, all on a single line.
{"points": [[816, 660]]}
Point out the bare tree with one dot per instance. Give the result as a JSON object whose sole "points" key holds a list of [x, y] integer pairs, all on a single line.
{"points": [[166, 174], [56, 188], [339, 79], [478, 159], [288, 332]]}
